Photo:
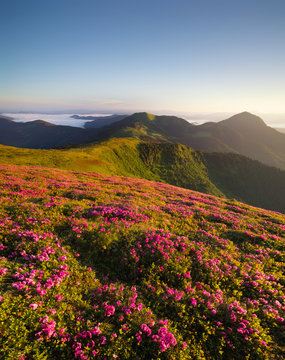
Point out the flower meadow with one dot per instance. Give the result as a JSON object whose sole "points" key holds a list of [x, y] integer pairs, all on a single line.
{"points": [[98, 267]]}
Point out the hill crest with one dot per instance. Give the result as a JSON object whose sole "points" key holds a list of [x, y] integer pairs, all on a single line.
{"points": [[243, 133]]}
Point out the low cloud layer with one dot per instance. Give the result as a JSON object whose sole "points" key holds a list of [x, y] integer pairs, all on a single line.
{"points": [[57, 119]]}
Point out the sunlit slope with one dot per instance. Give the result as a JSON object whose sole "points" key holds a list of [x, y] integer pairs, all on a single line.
{"points": [[244, 133], [230, 175], [99, 267], [171, 163]]}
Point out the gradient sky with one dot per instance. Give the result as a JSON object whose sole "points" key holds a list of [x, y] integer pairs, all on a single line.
{"points": [[130, 55]]}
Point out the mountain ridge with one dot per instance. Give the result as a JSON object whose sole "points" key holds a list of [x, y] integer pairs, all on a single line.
{"points": [[223, 174], [242, 133]]}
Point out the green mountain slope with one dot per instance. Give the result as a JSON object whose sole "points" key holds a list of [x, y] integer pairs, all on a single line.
{"points": [[100, 267], [172, 163], [147, 126], [223, 174], [243, 178], [243, 133]]}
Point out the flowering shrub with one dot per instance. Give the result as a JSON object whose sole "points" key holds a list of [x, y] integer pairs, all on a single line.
{"points": [[97, 267]]}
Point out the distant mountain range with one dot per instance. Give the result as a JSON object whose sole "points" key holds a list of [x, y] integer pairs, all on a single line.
{"points": [[98, 121], [40, 134], [243, 133]]}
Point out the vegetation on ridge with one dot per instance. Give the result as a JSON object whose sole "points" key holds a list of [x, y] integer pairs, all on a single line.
{"points": [[97, 267], [243, 133], [230, 175]]}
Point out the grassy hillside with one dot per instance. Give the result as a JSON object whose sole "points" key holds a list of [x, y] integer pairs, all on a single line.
{"points": [[175, 164], [229, 175], [243, 133], [248, 180], [98, 267], [148, 127], [111, 157]]}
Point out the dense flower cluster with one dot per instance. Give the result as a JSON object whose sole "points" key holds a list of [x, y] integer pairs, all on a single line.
{"points": [[97, 267]]}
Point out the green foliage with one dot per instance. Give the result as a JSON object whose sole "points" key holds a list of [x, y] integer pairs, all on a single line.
{"points": [[247, 180], [100, 267], [222, 174]]}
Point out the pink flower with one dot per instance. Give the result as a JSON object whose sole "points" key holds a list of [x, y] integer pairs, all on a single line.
{"points": [[51, 311], [61, 331], [193, 301], [62, 258], [96, 330], [187, 275], [110, 310], [3, 271], [165, 339], [146, 329], [125, 327], [33, 306]]}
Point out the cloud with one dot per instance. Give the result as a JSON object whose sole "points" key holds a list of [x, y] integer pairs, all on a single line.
{"points": [[57, 119]]}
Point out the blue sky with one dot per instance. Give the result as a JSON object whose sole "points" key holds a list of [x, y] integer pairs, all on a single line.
{"points": [[196, 56]]}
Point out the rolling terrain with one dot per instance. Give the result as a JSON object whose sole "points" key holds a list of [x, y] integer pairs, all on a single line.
{"points": [[40, 134], [99, 122], [222, 174], [244, 133], [100, 267]]}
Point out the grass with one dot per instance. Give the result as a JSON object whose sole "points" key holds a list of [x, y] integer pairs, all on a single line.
{"points": [[105, 267], [222, 174]]}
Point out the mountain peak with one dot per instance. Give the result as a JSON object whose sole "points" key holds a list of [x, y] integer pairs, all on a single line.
{"points": [[245, 119], [41, 122], [245, 113], [143, 115]]}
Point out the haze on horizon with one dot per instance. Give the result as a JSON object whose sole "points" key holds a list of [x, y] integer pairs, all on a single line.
{"points": [[182, 56]]}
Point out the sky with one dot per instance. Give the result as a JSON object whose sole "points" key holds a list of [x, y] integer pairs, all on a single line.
{"points": [[161, 56]]}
